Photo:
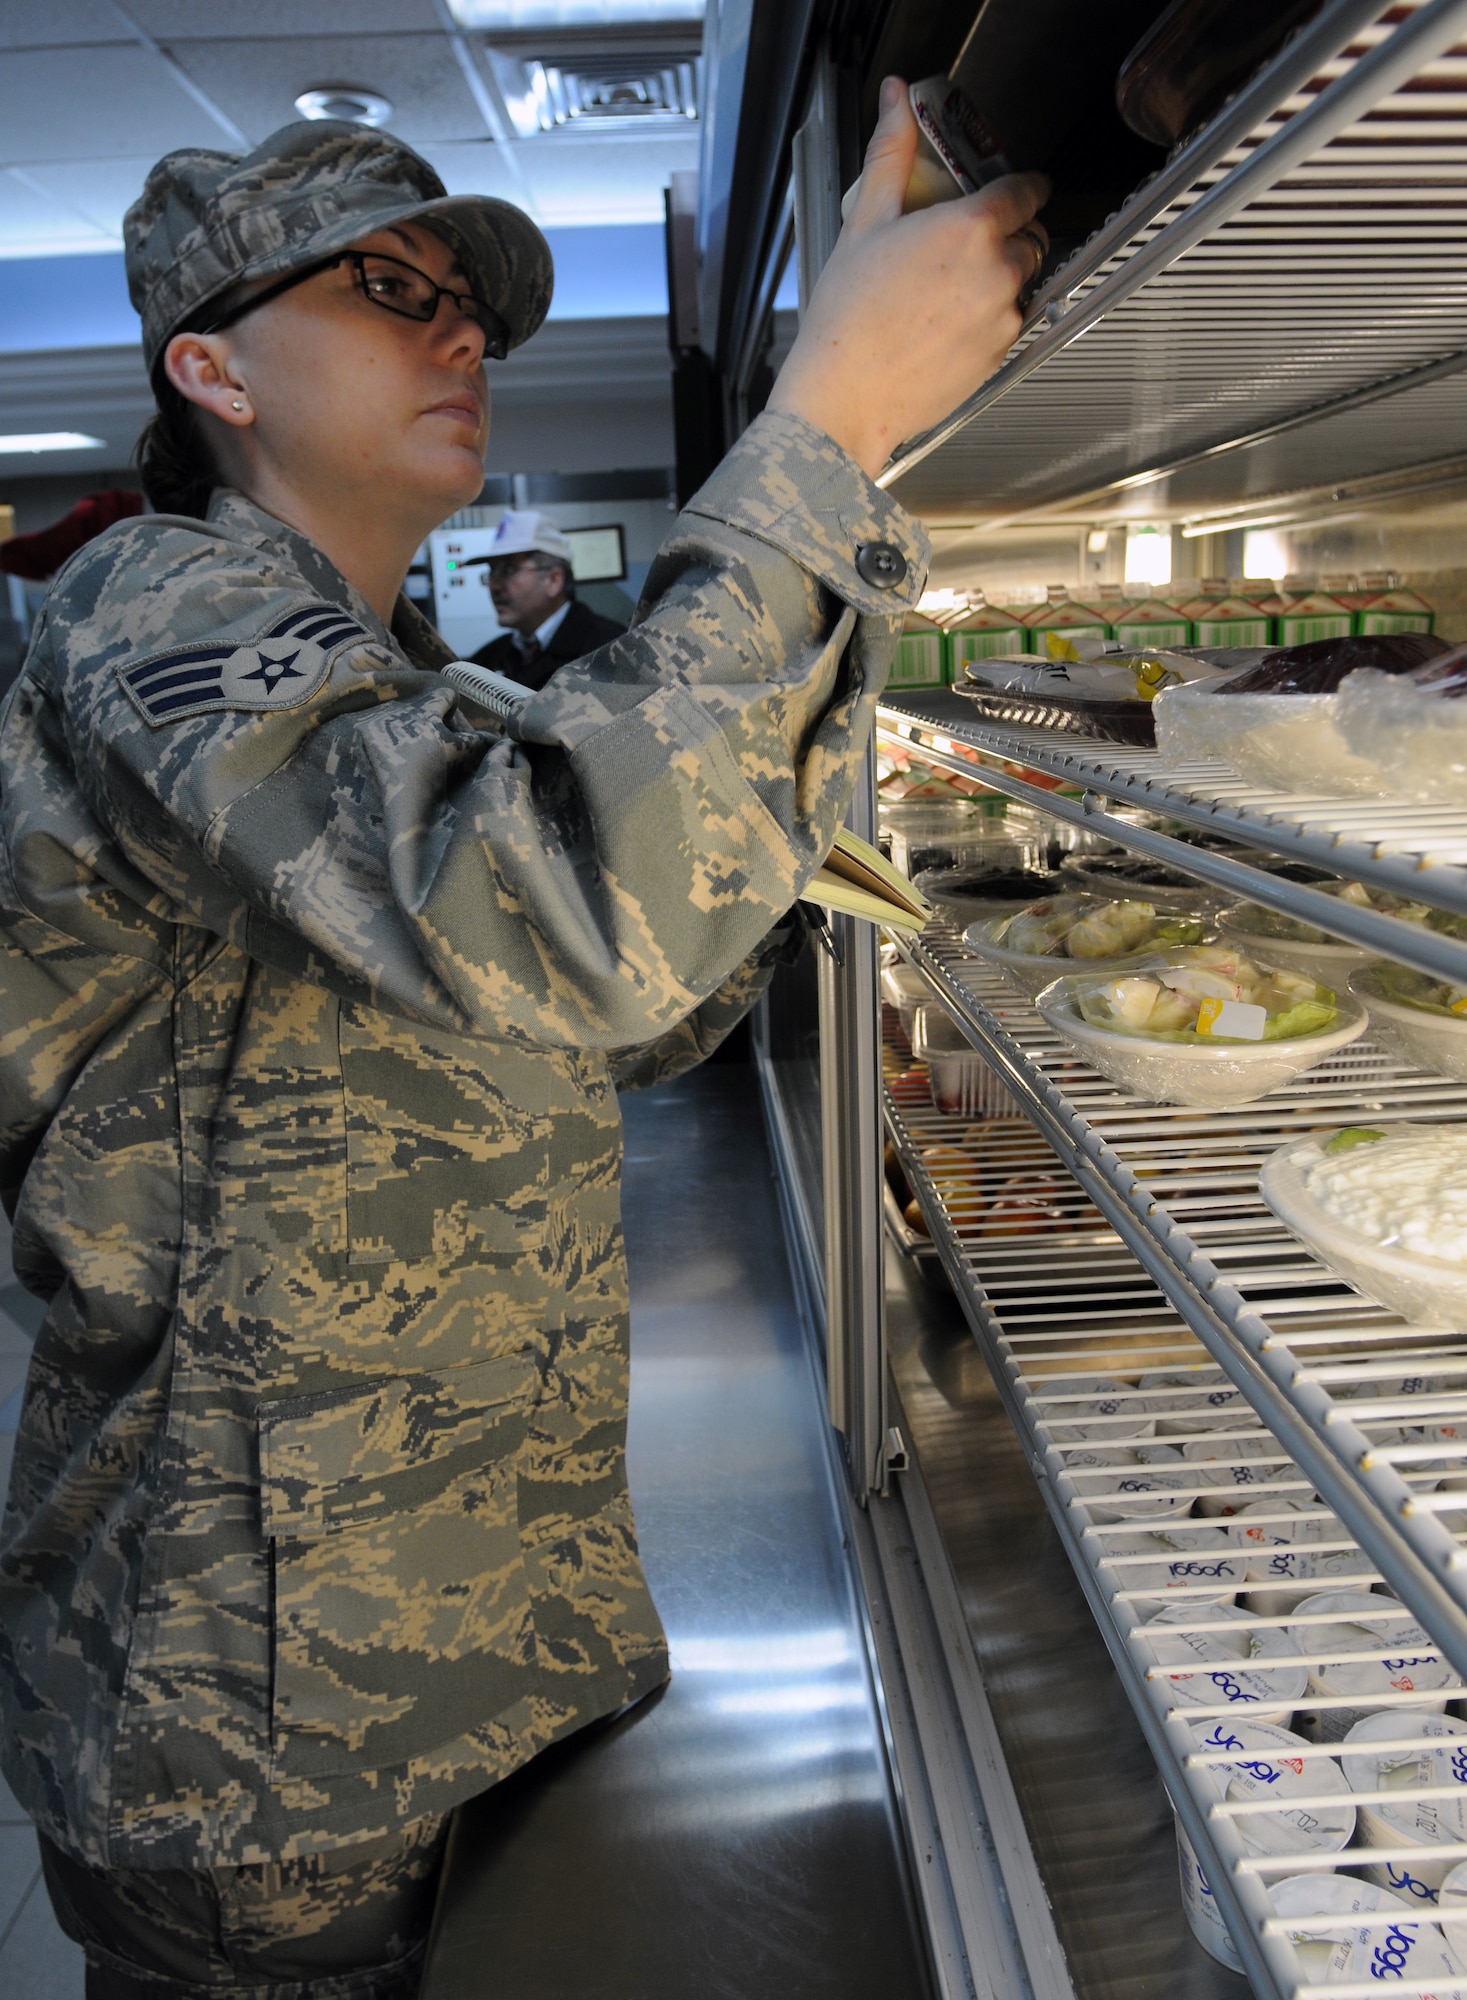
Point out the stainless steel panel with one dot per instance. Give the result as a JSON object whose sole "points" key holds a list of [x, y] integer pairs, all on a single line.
{"points": [[734, 1838]]}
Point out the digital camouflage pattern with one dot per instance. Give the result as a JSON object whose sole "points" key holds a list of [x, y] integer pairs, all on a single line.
{"points": [[208, 222], [309, 1005], [348, 1924]]}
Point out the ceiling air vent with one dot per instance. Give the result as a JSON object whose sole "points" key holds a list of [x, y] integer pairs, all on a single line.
{"points": [[597, 93]]}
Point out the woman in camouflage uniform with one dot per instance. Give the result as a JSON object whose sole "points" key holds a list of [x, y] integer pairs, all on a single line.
{"points": [[316, 983]]}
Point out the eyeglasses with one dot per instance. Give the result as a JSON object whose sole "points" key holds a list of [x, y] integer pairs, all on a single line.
{"points": [[390, 283]]}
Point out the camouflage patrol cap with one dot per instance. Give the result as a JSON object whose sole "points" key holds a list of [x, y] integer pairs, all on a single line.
{"points": [[206, 223]]}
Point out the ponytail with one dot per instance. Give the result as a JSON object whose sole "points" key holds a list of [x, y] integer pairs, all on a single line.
{"points": [[173, 461]]}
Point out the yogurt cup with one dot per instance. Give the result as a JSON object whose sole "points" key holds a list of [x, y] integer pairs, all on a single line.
{"points": [[1191, 1558], [1214, 1667], [1230, 1472], [1360, 1621], [1282, 1568], [1405, 1950], [1266, 1771], [1452, 1897], [1423, 1824], [1211, 1404], [1106, 1412], [1146, 1482]]}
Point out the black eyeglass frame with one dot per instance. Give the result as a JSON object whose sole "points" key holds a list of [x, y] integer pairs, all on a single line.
{"points": [[496, 333]]}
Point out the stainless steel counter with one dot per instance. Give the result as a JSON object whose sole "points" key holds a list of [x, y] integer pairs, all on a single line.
{"points": [[734, 1838]]}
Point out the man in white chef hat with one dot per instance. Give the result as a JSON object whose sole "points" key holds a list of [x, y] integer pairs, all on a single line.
{"points": [[533, 585]]}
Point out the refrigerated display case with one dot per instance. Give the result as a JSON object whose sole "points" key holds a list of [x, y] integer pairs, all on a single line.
{"points": [[1276, 315]]}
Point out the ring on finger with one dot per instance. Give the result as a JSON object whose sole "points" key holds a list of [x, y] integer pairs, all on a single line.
{"points": [[1037, 244]]}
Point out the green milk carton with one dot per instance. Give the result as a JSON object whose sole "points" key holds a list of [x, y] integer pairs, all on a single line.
{"points": [[921, 655], [1057, 623], [984, 632], [1388, 606], [1310, 613], [1223, 616], [1153, 621]]}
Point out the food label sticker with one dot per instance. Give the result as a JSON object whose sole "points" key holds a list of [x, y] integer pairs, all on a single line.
{"points": [[1239, 1020]]}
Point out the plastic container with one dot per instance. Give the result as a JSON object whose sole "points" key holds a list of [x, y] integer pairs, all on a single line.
{"points": [[958, 893], [1029, 973], [1214, 1667], [1196, 1399], [1204, 1075], [955, 833], [1427, 1040], [1425, 1824], [1146, 1483], [1408, 1663], [1132, 877], [1356, 1954], [963, 1083], [1276, 1536], [1156, 1563], [904, 988], [1234, 1471], [1429, 1290], [1331, 962], [1291, 742], [1404, 740], [1265, 1771]]}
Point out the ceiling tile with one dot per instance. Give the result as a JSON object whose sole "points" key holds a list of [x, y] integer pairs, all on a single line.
{"points": [[101, 191], [87, 104], [257, 83], [475, 166], [31, 225], [174, 21], [576, 182], [46, 24]]}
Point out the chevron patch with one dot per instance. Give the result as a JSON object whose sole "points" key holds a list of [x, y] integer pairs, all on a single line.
{"points": [[280, 669]]}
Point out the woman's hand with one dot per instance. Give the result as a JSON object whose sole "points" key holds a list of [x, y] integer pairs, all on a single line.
{"points": [[912, 312]]}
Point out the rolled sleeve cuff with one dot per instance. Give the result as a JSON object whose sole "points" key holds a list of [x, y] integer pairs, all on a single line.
{"points": [[795, 488]]}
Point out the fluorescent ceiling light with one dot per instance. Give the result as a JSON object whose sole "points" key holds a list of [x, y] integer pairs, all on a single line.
{"points": [[492, 14], [50, 441]]}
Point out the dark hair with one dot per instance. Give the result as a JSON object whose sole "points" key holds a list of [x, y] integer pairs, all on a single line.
{"points": [[173, 460]]}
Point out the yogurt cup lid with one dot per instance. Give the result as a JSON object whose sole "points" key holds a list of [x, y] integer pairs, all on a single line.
{"points": [[1408, 1663], [1129, 1483], [1439, 1758], [1103, 1410], [1265, 1767], [1197, 1560], [1278, 1550], [1411, 1949], [1216, 1666]]}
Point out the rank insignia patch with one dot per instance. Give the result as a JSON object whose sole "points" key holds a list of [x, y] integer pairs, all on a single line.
{"points": [[280, 669]]}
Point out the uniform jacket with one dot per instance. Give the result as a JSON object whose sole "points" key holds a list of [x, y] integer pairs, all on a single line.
{"points": [[580, 632], [313, 990]]}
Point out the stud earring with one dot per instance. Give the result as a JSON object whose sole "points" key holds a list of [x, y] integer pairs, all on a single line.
{"points": [[236, 404]]}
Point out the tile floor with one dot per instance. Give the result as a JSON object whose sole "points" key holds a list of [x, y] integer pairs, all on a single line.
{"points": [[36, 1959]]}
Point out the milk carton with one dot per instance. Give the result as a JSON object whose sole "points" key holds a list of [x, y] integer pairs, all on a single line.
{"points": [[921, 655], [985, 632]]}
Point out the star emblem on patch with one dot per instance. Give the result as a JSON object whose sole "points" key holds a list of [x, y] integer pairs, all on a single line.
{"points": [[280, 667]]}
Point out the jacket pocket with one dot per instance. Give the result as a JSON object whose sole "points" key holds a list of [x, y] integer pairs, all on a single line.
{"points": [[401, 1613]]}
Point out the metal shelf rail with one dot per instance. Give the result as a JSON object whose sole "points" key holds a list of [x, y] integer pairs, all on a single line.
{"points": [[1304, 247], [1413, 849], [1056, 1302]]}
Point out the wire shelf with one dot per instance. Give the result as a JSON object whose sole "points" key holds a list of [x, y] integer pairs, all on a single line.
{"points": [[1057, 1300], [1304, 247], [1418, 850]]}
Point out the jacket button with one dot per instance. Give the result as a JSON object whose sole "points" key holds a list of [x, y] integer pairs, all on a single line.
{"points": [[880, 565]]}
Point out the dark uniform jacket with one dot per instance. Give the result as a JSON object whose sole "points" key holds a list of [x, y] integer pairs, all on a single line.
{"points": [[580, 632], [315, 985]]}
